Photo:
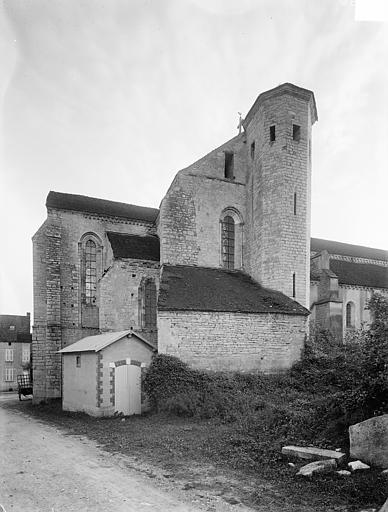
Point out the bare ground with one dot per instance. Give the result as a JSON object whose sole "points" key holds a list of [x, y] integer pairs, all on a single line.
{"points": [[191, 460]]}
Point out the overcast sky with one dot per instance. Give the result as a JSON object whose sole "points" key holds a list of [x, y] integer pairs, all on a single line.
{"points": [[111, 98]]}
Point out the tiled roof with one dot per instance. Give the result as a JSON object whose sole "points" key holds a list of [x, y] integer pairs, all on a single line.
{"points": [[141, 247], [360, 274], [187, 288], [357, 251], [101, 341], [100, 206], [24, 337], [15, 328]]}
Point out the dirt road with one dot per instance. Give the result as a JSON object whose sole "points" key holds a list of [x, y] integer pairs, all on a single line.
{"points": [[43, 470]]}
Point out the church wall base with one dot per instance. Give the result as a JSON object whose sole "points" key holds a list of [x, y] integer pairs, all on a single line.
{"points": [[232, 341]]}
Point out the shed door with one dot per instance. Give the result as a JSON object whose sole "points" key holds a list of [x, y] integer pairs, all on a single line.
{"points": [[128, 389]]}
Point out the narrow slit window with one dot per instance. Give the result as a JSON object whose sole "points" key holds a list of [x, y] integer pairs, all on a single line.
{"points": [[253, 150], [78, 361], [350, 314], [272, 133], [296, 132], [294, 203], [293, 285], [229, 165]]}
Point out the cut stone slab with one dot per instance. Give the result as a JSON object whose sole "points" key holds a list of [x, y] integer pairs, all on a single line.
{"points": [[319, 466], [311, 453], [357, 465], [369, 441], [384, 508], [343, 472]]}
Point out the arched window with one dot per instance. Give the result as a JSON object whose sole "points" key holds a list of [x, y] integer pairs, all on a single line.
{"points": [[228, 242], [90, 268], [350, 314], [148, 304], [90, 252]]}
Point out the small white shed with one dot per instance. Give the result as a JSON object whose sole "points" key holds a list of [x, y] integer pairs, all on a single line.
{"points": [[102, 373]]}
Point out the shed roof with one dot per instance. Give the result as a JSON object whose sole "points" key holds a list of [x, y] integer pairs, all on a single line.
{"points": [[141, 247], [356, 251], [187, 288], [100, 206], [101, 341]]}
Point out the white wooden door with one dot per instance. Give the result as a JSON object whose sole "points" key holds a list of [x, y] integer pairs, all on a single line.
{"points": [[128, 389]]}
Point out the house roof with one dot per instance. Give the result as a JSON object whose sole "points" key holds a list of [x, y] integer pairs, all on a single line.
{"points": [[357, 251], [360, 274], [87, 204], [141, 247], [14, 337], [15, 328], [187, 288], [101, 341]]}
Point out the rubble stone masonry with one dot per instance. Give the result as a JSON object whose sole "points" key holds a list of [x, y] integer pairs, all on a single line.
{"points": [[232, 341]]}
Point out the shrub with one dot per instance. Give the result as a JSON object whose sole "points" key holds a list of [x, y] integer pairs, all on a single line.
{"points": [[351, 377], [332, 387]]}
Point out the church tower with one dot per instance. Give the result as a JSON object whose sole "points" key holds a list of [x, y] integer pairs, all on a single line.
{"points": [[278, 130]]}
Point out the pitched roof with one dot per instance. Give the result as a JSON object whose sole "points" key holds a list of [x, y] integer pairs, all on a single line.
{"points": [[100, 206], [15, 328], [360, 274], [357, 251], [141, 247], [101, 341], [187, 288]]}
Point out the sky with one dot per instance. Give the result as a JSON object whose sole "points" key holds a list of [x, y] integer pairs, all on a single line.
{"points": [[111, 98]]}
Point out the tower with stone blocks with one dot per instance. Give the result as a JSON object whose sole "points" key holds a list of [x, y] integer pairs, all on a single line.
{"points": [[278, 131]]}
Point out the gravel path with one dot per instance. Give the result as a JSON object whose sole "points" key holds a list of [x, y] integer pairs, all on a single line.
{"points": [[43, 470]]}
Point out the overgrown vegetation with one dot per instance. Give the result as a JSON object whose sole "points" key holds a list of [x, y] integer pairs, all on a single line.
{"points": [[222, 433], [332, 387]]}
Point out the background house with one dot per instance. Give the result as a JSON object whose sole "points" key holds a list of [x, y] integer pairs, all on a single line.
{"points": [[15, 349]]}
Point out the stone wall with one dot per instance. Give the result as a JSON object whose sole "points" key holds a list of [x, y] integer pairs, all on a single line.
{"points": [[279, 235], [119, 295], [57, 287], [189, 223], [360, 297], [232, 341]]}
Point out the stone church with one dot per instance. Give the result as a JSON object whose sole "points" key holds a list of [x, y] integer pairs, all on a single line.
{"points": [[219, 275]]}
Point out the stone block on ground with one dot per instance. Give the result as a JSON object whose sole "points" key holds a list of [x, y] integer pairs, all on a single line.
{"points": [[384, 508], [319, 466], [311, 453], [343, 472], [369, 441], [357, 465]]}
